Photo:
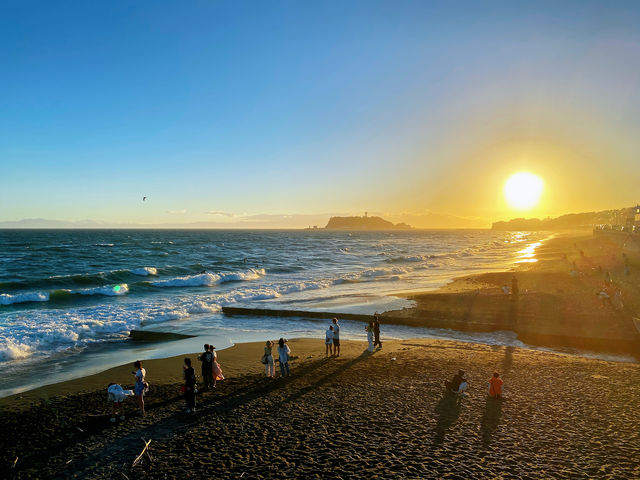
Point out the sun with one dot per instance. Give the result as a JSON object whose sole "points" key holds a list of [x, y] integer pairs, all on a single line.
{"points": [[523, 190]]}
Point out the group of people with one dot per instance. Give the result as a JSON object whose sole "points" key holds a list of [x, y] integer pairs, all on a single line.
{"points": [[373, 333], [332, 339], [116, 394], [459, 384], [284, 355], [211, 374]]}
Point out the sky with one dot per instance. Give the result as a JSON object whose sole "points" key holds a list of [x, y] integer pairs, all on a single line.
{"points": [[279, 114]]}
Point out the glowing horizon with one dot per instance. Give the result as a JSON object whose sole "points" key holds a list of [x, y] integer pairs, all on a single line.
{"points": [[217, 112]]}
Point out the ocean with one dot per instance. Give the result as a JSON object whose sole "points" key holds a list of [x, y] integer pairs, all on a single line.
{"points": [[68, 298]]}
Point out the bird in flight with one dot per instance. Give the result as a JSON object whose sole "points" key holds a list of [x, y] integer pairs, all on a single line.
{"points": [[144, 198]]}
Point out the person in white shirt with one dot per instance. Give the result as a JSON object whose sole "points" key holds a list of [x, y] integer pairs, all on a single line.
{"points": [[328, 341], [140, 385], [116, 395], [336, 337], [284, 353]]}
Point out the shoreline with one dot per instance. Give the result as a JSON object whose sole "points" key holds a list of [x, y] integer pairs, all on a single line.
{"points": [[558, 304], [475, 304]]}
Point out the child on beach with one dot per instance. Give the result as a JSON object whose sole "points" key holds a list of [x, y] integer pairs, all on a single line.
{"points": [[216, 369], [267, 360], [369, 330], [207, 367], [328, 341], [495, 386], [116, 395], [284, 352], [141, 384], [189, 385]]}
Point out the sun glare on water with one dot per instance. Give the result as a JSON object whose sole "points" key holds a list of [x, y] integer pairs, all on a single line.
{"points": [[523, 190]]}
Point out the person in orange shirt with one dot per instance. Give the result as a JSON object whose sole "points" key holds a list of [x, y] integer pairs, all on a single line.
{"points": [[495, 386]]}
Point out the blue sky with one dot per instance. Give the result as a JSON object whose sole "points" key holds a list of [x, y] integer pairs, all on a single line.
{"points": [[309, 108]]}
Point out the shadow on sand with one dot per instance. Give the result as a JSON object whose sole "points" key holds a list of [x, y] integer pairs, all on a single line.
{"points": [[447, 410], [490, 419]]}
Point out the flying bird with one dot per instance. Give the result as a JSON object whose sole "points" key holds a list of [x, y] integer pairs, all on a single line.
{"points": [[144, 198]]}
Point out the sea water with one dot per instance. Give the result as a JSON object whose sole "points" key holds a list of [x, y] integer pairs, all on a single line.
{"points": [[68, 298]]}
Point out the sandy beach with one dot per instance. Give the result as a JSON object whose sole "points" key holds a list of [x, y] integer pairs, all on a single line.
{"points": [[558, 304], [381, 415]]}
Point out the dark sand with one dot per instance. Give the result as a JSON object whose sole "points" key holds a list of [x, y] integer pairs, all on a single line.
{"points": [[359, 416]]}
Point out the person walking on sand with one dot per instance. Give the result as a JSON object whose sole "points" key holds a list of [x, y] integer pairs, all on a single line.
{"points": [[140, 386], [495, 386], [216, 369], [376, 331], [284, 352], [207, 367], [328, 341], [267, 360], [189, 385], [369, 330], [336, 337]]}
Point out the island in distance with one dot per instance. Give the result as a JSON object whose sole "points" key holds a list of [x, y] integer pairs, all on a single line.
{"points": [[364, 223]]}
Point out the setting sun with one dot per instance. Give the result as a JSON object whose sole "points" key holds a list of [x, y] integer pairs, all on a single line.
{"points": [[522, 190]]}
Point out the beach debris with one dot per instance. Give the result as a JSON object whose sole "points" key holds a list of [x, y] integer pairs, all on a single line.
{"points": [[393, 359], [69, 461], [124, 475], [14, 463], [80, 429], [144, 450]]}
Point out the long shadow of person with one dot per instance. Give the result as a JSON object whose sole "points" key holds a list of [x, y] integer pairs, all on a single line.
{"points": [[447, 410], [490, 419]]}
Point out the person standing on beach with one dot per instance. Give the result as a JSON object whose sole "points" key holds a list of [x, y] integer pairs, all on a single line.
{"points": [[207, 366], [140, 385], [267, 359], [369, 330], [328, 341], [189, 385], [284, 352], [376, 331], [336, 337], [495, 386], [216, 369]]}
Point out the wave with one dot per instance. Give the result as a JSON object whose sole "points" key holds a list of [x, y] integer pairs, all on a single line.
{"points": [[210, 279], [62, 294], [6, 299], [144, 271]]}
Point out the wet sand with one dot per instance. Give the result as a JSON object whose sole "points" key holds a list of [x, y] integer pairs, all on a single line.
{"points": [[554, 307], [358, 416]]}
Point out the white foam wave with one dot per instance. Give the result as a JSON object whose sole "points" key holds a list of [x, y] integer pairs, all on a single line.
{"points": [[7, 299], [144, 271], [109, 291], [209, 279]]}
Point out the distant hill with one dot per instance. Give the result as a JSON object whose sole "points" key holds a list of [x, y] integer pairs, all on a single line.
{"points": [[364, 223], [564, 222]]}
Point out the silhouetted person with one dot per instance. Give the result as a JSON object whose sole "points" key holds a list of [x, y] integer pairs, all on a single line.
{"points": [[207, 366], [189, 386], [376, 332]]}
